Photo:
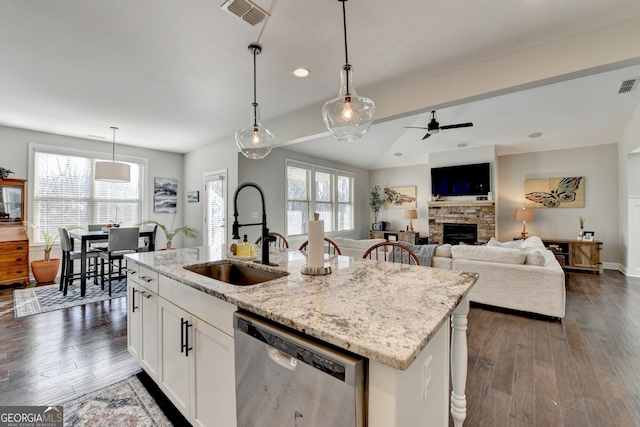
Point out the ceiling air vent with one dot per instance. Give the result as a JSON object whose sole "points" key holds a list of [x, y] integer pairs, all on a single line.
{"points": [[628, 85], [245, 10]]}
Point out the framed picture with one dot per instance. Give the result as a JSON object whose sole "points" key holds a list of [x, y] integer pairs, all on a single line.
{"points": [[554, 193], [165, 195], [588, 236], [400, 198], [193, 196]]}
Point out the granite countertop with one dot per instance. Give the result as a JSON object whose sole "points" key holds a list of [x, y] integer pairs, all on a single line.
{"points": [[380, 310]]}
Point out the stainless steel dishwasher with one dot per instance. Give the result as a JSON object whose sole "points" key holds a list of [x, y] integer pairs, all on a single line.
{"points": [[284, 379]]}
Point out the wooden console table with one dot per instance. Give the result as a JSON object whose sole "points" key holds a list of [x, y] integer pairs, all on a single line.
{"points": [[577, 255], [400, 236]]}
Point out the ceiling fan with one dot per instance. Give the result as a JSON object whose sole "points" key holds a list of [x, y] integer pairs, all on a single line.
{"points": [[434, 127]]}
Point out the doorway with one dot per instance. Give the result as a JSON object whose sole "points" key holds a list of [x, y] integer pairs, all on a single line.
{"points": [[215, 184]]}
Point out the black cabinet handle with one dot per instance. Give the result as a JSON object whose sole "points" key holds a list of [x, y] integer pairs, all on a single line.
{"points": [[133, 300], [184, 337]]}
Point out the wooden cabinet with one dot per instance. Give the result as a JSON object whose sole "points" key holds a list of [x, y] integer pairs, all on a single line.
{"points": [[575, 255], [400, 236], [14, 243]]}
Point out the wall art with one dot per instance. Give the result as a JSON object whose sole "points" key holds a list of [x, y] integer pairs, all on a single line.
{"points": [[193, 196], [554, 193], [165, 195], [400, 197]]}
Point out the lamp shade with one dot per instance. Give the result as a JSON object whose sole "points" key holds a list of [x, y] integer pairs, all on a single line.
{"points": [[113, 172], [411, 214], [524, 215]]}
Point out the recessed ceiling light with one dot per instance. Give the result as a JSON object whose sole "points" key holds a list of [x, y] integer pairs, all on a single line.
{"points": [[397, 154], [463, 144], [301, 73], [535, 135]]}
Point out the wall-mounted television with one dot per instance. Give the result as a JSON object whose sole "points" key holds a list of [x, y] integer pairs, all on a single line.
{"points": [[463, 180]]}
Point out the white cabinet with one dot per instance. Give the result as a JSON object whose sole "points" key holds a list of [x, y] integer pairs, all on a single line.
{"points": [[175, 348], [214, 402], [142, 323], [196, 357]]}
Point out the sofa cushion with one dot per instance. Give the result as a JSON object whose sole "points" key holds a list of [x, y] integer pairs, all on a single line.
{"points": [[534, 256], [443, 251], [533, 242], [513, 244], [488, 253], [356, 244]]}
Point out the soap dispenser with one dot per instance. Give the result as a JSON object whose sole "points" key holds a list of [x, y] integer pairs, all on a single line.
{"points": [[243, 249]]}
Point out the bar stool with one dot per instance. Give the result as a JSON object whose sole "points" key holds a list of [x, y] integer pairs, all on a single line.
{"points": [[69, 255]]}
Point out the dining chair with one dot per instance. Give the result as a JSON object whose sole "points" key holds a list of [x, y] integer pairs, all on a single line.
{"points": [[122, 241], [95, 227], [67, 274], [280, 242], [148, 242], [392, 252], [330, 247]]}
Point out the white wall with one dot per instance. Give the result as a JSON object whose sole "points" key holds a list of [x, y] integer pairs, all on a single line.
{"points": [[14, 153], [222, 155], [596, 164]]}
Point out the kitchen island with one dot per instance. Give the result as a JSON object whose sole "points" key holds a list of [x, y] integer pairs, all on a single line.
{"points": [[396, 316]]}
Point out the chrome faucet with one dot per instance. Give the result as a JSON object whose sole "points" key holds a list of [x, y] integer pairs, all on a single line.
{"points": [[266, 238]]}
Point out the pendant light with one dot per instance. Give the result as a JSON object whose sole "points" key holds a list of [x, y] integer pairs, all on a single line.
{"points": [[113, 171], [255, 141], [349, 116]]}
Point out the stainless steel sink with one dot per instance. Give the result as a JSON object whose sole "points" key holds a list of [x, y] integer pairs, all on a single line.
{"points": [[238, 274]]}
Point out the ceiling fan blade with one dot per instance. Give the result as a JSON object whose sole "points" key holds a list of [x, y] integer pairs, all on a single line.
{"points": [[426, 136], [460, 125], [413, 127]]}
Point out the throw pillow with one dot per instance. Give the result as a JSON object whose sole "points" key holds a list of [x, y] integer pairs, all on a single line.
{"points": [[513, 244], [534, 256], [443, 251]]}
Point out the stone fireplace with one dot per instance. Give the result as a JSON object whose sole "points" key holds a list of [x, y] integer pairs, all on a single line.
{"points": [[482, 214]]}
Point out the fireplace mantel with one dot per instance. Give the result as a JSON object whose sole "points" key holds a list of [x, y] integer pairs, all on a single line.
{"points": [[480, 212], [448, 203]]}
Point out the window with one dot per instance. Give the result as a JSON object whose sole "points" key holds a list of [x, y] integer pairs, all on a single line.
{"points": [[317, 189], [65, 193]]}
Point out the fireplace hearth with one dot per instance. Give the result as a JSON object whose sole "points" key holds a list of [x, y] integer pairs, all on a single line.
{"points": [[460, 233], [463, 212]]}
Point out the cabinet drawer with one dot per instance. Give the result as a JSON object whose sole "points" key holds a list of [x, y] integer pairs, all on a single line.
{"points": [[133, 272], [13, 259], [148, 278], [17, 272], [12, 247]]}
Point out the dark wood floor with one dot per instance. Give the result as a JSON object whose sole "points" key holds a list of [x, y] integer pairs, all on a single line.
{"points": [[523, 371], [583, 371]]}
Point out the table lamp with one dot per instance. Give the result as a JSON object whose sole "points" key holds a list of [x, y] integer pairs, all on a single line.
{"points": [[411, 214], [524, 215]]}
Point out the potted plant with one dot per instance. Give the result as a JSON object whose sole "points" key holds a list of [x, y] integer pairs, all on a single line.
{"points": [[5, 172], [376, 203], [170, 233], [45, 270]]}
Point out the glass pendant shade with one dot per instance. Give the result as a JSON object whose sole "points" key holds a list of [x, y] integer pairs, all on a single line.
{"points": [[255, 141], [349, 116], [113, 171]]}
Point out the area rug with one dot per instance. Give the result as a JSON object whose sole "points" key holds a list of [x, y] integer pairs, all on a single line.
{"points": [[41, 299], [123, 404]]}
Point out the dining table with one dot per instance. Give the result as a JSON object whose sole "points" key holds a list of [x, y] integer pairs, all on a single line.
{"points": [[86, 238]]}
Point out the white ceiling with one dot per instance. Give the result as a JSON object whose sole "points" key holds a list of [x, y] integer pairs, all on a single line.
{"points": [[176, 76]]}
